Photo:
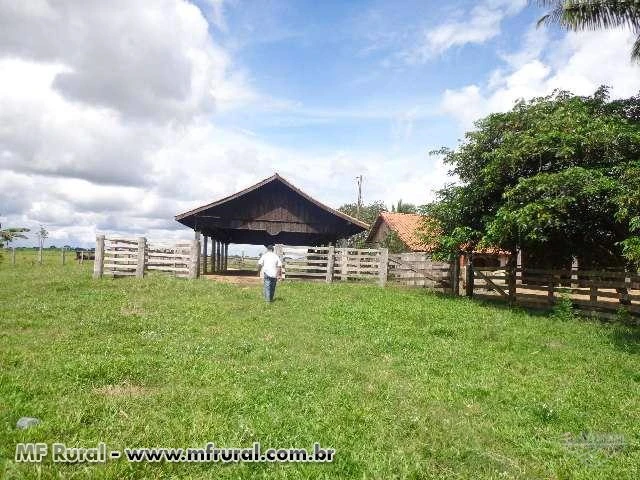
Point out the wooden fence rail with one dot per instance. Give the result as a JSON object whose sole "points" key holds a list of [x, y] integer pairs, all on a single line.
{"points": [[605, 293], [119, 257]]}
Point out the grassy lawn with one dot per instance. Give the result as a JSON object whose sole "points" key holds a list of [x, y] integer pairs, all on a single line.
{"points": [[402, 383]]}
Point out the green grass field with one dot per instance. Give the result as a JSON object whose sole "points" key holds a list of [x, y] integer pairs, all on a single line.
{"points": [[402, 383]]}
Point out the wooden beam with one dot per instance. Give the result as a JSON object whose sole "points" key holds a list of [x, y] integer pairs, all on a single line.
{"points": [[142, 247], [330, 263], [98, 264], [382, 266], [204, 254]]}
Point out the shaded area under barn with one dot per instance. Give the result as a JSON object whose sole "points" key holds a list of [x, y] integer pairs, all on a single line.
{"points": [[272, 211]]}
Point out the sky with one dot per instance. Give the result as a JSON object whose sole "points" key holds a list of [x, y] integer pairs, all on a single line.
{"points": [[117, 115]]}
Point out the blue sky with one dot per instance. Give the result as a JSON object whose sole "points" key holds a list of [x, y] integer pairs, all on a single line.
{"points": [[115, 116], [346, 73]]}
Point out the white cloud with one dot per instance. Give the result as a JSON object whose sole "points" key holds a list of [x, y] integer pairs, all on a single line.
{"points": [[579, 62], [108, 123], [479, 25]]}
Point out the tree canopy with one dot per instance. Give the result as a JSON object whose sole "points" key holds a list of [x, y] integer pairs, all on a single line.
{"points": [[557, 176], [368, 214]]}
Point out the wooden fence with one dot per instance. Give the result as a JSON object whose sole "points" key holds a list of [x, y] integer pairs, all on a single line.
{"points": [[600, 292], [118, 257], [605, 293], [419, 270], [334, 264]]}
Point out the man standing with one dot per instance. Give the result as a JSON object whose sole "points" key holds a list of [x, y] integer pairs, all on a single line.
{"points": [[271, 272]]}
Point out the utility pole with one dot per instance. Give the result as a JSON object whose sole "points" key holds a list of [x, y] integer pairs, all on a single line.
{"points": [[359, 205]]}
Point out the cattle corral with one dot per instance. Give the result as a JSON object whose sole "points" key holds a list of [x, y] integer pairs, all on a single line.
{"points": [[605, 293]]}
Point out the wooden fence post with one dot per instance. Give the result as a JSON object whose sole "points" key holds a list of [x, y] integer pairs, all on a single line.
{"points": [[550, 288], [344, 263], [593, 292], [98, 264], [455, 275], [383, 266], [40, 254], [142, 253], [193, 259], [62, 254], [470, 275], [13, 255], [330, 263], [511, 277]]}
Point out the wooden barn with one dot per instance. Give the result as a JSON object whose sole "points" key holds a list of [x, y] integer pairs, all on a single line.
{"points": [[270, 212]]}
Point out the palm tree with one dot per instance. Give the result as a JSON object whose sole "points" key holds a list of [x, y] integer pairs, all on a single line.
{"points": [[595, 15]]}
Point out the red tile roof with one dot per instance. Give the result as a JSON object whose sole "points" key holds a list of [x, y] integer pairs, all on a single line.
{"points": [[410, 227]]}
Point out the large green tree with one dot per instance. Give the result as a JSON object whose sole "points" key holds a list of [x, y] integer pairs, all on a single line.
{"points": [[556, 176], [595, 15]]}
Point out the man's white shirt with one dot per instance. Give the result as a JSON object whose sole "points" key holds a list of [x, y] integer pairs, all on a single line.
{"points": [[270, 262]]}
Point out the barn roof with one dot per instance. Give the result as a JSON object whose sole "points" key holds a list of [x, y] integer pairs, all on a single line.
{"points": [[271, 211]]}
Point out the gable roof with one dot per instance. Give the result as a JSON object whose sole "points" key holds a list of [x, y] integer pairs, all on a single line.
{"points": [[408, 226], [273, 178]]}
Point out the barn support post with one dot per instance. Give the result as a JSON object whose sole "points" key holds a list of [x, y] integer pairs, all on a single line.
{"points": [[382, 267], [205, 245], [330, 263], [142, 250], [226, 255], [214, 244], [469, 275], [98, 264], [219, 258], [278, 249], [197, 239], [215, 254], [194, 260], [13, 255]]}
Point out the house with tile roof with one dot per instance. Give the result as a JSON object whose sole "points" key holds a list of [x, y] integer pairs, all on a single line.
{"points": [[412, 228], [409, 227]]}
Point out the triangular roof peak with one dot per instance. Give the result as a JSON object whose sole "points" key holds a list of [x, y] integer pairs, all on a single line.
{"points": [[276, 177]]}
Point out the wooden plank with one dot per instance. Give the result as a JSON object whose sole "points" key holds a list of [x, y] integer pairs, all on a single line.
{"points": [[98, 264], [304, 274], [330, 264], [169, 269], [120, 266], [491, 284]]}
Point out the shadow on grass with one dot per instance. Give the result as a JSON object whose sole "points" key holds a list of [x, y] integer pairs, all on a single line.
{"points": [[626, 338], [502, 305]]}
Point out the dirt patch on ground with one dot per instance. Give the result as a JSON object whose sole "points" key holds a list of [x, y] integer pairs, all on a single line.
{"points": [[124, 390], [236, 279]]}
